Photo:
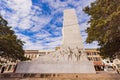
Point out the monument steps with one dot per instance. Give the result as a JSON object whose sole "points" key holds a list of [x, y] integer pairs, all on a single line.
{"points": [[26, 76]]}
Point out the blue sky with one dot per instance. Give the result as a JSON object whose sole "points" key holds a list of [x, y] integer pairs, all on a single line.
{"points": [[39, 22]]}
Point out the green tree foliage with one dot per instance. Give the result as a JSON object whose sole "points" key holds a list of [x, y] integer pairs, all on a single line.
{"points": [[105, 26], [10, 47]]}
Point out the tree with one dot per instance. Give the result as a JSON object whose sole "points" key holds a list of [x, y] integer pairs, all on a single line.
{"points": [[10, 47], [105, 26]]}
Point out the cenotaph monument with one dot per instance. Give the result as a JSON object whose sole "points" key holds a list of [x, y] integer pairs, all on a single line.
{"points": [[70, 58]]}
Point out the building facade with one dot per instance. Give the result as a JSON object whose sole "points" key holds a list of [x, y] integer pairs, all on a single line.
{"points": [[34, 54], [93, 55], [9, 65]]}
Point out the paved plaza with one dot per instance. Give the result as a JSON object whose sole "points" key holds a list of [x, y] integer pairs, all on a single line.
{"points": [[16, 76]]}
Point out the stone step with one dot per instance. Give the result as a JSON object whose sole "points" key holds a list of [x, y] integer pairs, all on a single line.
{"points": [[18, 76]]}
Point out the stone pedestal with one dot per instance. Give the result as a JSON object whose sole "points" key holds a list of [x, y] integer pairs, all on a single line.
{"points": [[82, 67]]}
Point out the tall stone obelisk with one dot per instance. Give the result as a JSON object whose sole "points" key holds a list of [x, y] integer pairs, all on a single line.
{"points": [[70, 58], [71, 31]]}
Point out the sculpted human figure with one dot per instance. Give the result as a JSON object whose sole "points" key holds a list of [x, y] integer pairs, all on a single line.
{"points": [[79, 54], [70, 53]]}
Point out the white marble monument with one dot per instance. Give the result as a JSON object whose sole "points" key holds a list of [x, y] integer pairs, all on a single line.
{"points": [[70, 58]]}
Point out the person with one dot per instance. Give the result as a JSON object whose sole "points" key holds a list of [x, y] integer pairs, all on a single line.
{"points": [[15, 68], [3, 69]]}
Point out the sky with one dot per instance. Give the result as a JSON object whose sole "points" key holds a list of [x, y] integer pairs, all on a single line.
{"points": [[39, 22]]}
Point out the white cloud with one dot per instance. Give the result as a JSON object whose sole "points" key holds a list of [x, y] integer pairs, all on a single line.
{"points": [[25, 23], [20, 5], [29, 44], [92, 45], [53, 42], [19, 9], [55, 3], [22, 15], [84, 26], [42, 34], [23, 37], [40, 22], [52, 45], [52, 39]]}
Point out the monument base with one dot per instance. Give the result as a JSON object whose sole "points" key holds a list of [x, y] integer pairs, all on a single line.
{"points": [[31, 67]]}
